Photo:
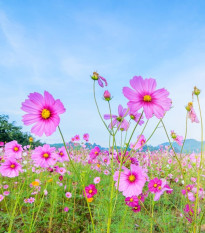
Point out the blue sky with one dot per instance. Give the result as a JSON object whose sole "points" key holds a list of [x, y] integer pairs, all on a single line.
{"points": [[56, 45]]}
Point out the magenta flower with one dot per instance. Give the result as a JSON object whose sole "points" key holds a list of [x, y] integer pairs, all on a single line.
{"points": [[43, 112], [100, 79], [189, 212], [144, 95], [44, 156], [136, 208], [131, 201], [139, 144], [107, 95], [86, 137], [77, 137], [13, 149], [161, 190], [90, 191], [1, 143], [94, 152], [10, 168], [66, 209], [155, 185], [121, 123], [131, 181]]}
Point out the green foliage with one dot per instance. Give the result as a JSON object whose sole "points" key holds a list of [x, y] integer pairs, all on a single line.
{"points": [[10, 132]]}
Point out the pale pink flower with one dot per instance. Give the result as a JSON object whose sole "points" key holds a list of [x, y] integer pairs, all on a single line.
{"points": [[13, 149], [97, 180]]}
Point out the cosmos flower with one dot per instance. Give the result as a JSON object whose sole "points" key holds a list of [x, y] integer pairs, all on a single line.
{"points": [[62, 155], [131, 181], [140, 142], [86, 137], [121, 123], [68, 195], [178, 139], [43, 112], [97, 180], [144, 95], [90, 191], [135, 115], [44, 156], [131, 201], [13, 149], [94, 152], [100, 79], [10, 168]]}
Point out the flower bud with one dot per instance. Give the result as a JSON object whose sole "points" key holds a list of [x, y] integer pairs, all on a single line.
{"points": [[189, 106], [107, 95], [30, 139], [196, 91], [95, 76]]}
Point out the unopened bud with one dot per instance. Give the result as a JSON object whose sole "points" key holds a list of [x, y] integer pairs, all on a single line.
{"points": [[107, 95], [95, 76], [196, 91]]}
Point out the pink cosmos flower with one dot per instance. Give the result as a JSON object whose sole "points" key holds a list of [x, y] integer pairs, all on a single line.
{"points": [[62, 155], [192, 115], [94, 152], [100, 79], [155, 185], [66, 209], [134, 115], [10, 168], [31, 200], [121, 123], [90, 191], [61, 170], [77, 137], [1, 143], [86, 137], [68, 195], [106, 172], [43, 112], [1, 197], [189, 212], [164, 187], [136, 208], [5, 186], [131, 201], [178, 139], [131, 181], [97, 180], [144, 95], [44, 156], [13, 149], [140, 142]]}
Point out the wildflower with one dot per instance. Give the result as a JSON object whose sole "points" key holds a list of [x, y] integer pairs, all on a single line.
{"points": [[5, 186], [178, 139], [90, 199], [86, 137], [10, 168], [30, 139], [45, 192], [94, 152], [35, 183], [131, 201], [66, 209], [1, 197], [192, 115], [140, 142], [44, 156], [43, 112], [97, 180], [13, 149], [155, 185], [131, 181], [136, 208], [1, 143], [96, 76], [164, 187], [6, 193], [68, 195], [121, 123], [107, 95], [31, 200], [61, 170], [77, 137], [62, 155], [134, 115], [106, 172], [189, 212], [90, 191], [144, 95]]}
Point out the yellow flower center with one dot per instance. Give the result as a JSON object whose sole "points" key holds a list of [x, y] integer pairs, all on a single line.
{"points": [[90, 191], [155, 185], [131, 199], [132, 178], [45, 155], [96, 152], [135, 208], [45, 113], [61, 153], [13, 166], [16, 148], [147, 98], [159, 187], [98, 165]]}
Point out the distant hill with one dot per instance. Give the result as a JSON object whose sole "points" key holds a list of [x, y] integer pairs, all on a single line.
{"points": [[191, 145]]}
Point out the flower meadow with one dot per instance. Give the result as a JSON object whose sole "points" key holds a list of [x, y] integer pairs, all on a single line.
{"points": [[121, 189]]}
